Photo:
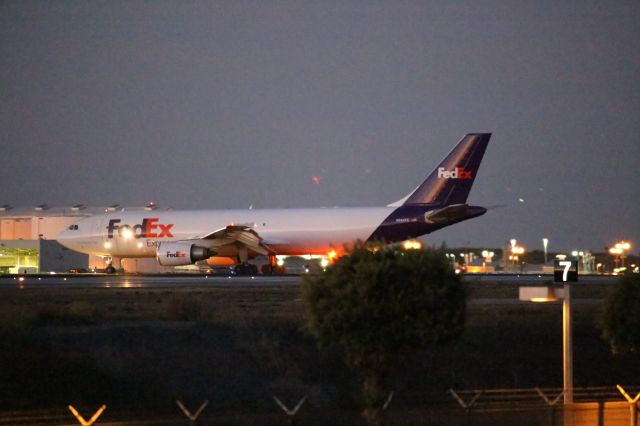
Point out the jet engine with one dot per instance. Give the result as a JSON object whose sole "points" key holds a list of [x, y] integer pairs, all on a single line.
{"points": [[177, 254]]}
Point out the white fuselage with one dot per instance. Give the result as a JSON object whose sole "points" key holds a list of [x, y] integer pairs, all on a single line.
{"points": [[180, 237], [286, 231]]}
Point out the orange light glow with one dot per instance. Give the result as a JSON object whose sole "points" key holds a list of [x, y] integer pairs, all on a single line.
{"points": [[332, 255], [623, 245], [517, 250], [412, 245], [221, 261]]}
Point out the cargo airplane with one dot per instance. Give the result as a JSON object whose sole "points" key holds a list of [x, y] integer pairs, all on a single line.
{"points": [[184, 237]]}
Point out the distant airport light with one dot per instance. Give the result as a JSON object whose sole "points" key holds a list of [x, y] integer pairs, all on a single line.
{"points": [[412, 245], [487, 255], [515, 248], [623, 245], [514, 257], [617, 271], [618, 251]]}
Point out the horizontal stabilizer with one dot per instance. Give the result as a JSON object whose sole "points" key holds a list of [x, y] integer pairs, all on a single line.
{"points": [[447, 214]]}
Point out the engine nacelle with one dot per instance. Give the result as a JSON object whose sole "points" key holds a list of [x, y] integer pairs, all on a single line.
{"points": [[178, 254]]}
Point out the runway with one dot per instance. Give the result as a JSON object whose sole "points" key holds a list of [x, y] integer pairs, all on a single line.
{"points": [[143, 281], [87, 281], [490, 290]]}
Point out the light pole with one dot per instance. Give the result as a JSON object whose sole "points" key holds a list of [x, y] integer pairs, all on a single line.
{"points": [[567, 347], [545, 243], [564, 271], [622, 246], [516, 252], [618, 251]]}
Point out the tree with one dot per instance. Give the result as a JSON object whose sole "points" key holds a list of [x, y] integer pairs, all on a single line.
{"points": [[620, 316], [378, 305]]}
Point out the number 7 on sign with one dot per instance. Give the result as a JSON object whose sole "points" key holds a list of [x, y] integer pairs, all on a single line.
{"points": [[567, 266]]}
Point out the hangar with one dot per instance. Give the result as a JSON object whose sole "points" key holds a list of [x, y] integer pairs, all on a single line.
{"points": [[28, 240]]}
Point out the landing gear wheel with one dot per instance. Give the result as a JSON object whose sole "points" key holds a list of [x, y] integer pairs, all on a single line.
{"points": [[272, 270], [246, 269], [110, 261]]}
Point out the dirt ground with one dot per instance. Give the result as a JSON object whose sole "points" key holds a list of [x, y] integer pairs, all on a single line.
{"points": [[236, 347]]}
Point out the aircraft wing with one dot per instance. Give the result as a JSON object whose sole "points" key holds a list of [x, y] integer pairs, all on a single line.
{"points": [[239, 234]]}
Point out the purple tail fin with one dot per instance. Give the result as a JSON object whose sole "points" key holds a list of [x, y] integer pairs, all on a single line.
{"points": [[451, 181]]}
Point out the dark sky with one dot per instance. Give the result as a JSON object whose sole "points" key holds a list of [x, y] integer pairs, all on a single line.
{"points": [[230, 104]]}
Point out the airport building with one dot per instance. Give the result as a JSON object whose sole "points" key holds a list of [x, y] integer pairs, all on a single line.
{"points": [[28, 241]]}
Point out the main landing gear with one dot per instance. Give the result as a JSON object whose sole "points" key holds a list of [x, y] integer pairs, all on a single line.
{"points": [[111, 269], [246, 269], [272, 267]]}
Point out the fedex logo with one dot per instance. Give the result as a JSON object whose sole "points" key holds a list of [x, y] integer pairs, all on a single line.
{"points": [[457, 173], [176, 254], [149, 228]]}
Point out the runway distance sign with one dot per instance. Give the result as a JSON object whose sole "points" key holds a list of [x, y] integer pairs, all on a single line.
{"points": [[565, 270]]}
